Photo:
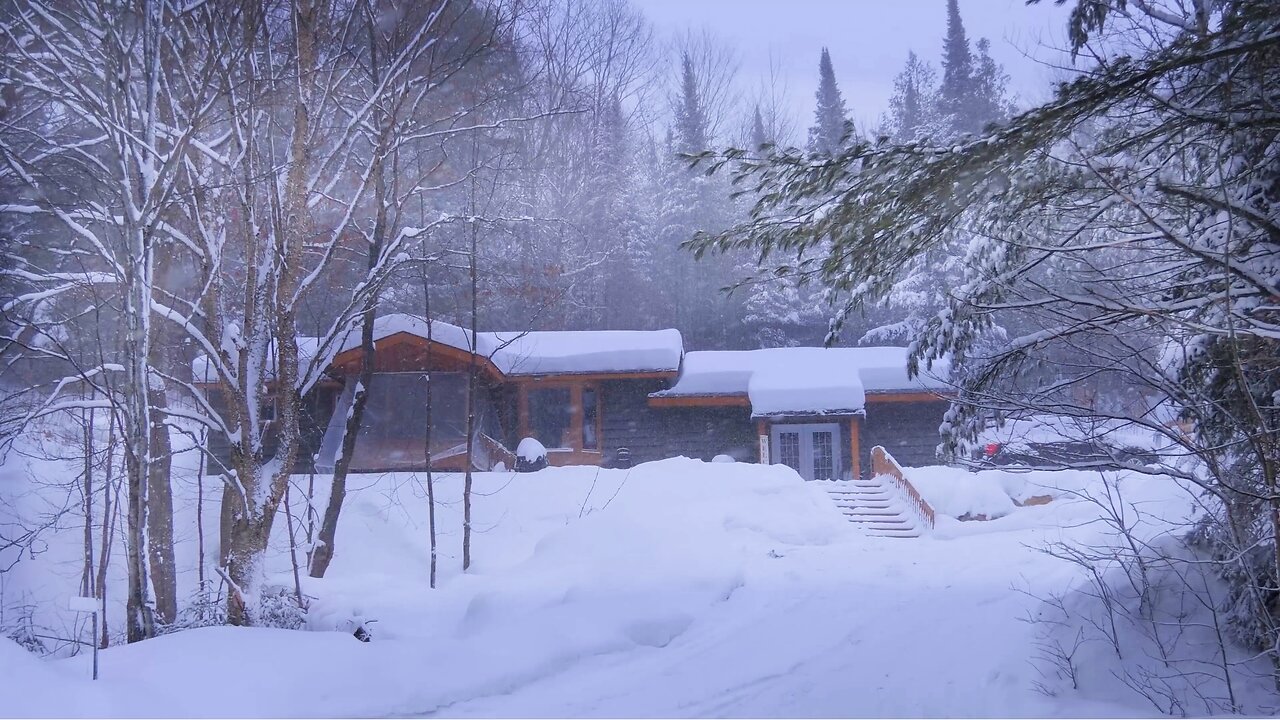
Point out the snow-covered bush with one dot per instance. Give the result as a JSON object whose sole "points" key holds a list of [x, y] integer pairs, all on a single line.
{"points": [[1149, 617], [531, 455], [279, 608], [204, 608], [19, 627], [1246, 565]]}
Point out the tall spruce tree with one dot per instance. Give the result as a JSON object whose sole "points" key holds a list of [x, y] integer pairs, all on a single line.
{"points": [[957, 73], [691, 134], [830, 116], [759, 137]]}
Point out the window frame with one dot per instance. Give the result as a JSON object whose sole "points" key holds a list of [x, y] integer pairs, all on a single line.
{"points": [[576, 453]]}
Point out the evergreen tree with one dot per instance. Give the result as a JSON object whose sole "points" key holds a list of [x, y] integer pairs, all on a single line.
{"points": [[913, 107], [830, 117], [758, 136], [957, 73], [990, 102], [691, 134]]}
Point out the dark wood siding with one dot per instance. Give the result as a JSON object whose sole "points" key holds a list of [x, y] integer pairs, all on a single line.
{"points": [[657, 433], [909, 431]]}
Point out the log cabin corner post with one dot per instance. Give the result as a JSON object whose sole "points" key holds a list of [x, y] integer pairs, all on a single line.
{"points": [[855, 447]]}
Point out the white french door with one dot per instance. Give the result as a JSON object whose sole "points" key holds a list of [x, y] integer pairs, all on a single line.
{"points": [[810, 449]]}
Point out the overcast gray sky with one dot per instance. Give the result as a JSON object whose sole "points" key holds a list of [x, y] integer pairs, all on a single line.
{"points": [[869, 41]]}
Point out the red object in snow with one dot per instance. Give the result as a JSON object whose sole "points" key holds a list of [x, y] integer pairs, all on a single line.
{"points": [[992, 449]]}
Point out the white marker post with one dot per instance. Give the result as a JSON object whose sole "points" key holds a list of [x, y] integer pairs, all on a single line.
{"points": [[88, 605]]}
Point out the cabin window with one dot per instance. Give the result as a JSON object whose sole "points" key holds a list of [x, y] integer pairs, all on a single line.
{"points": [[590, 419], [551, 416]]}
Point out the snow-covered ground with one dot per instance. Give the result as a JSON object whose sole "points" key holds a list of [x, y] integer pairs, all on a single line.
{"points": [[677, 588]]}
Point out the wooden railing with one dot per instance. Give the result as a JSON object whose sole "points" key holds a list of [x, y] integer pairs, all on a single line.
{"points": [[882, 463], [490, 452]]}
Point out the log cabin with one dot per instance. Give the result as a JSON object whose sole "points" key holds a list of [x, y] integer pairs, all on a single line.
{"points": [[609, 397]]}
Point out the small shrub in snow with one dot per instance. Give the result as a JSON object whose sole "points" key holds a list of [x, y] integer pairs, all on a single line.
{"points": [[1250, 602], [20, 628], [723, 459], [279, 608], [206, 607]]}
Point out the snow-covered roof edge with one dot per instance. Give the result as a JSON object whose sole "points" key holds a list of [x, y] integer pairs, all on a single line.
{"points": [[803, 380], [522, 354]]}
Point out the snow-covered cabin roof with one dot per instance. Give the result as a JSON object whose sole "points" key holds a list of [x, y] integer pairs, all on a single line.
{"points": [[565, 352], [588, 351], [802, 380], [559, 352]]}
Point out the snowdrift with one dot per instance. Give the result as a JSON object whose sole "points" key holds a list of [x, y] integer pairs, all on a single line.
{"points": [[676, 588], [570, 563], [992, 493]]}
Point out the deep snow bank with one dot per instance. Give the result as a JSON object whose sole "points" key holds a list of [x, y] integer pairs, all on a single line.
{"points": [[33, 687], [992, 493], [569, 563], [568, 534]]}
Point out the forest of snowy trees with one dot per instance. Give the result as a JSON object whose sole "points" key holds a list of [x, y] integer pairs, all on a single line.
{"points": [[251, 182]]}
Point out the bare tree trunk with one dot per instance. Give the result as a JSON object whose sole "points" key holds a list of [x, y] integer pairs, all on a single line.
{"points": [[164, 341], [251, 501], [431, 485], [311, 514], [293, 548], [322, 552], [160, 514], [324, 549], [471, 377], [204, 437], [108, 525], [87, 577]]}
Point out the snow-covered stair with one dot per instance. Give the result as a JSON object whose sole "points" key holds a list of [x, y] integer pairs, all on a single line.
{"points": [[875, 506]]}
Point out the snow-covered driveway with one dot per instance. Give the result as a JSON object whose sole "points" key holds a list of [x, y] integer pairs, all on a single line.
{"points": [[875, 627], [678, 588]]}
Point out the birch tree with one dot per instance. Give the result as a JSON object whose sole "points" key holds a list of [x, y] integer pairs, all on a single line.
{"points": [[118, 93]]}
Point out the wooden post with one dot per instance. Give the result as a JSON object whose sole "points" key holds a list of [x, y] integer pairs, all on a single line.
{"points": [[855, 447], [522, 411], [575, 417]]}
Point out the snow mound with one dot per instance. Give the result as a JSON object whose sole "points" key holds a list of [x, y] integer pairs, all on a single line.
{"points": [[676, 540], [38, 688], [961, 494], [993, 493]]}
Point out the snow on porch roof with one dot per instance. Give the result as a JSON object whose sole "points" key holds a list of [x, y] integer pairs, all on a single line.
{"points": [[802, 380], [559, 352]]}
